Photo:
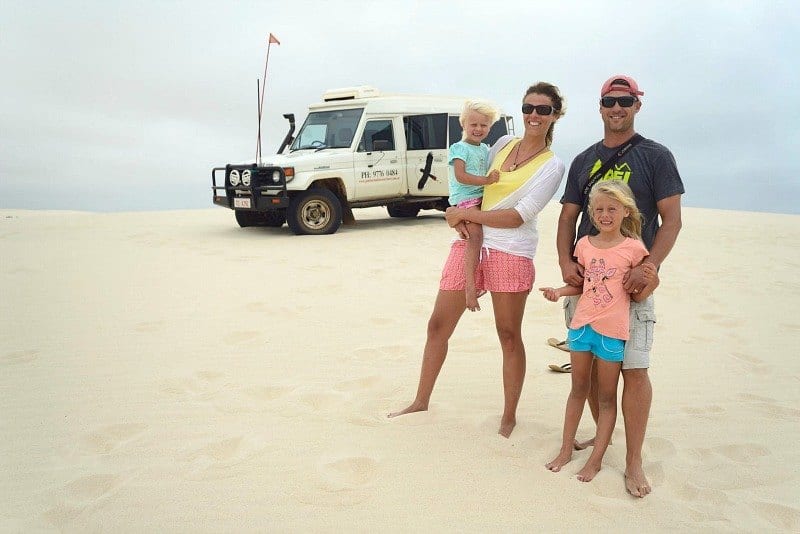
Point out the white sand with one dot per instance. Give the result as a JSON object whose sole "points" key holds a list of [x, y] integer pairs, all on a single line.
{"points": [[170, 372]]}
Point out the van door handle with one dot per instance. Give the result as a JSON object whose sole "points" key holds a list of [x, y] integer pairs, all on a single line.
{"points": [[392, 161]]}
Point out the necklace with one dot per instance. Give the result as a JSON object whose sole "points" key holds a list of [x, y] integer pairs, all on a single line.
{"points": [[517, 163]]}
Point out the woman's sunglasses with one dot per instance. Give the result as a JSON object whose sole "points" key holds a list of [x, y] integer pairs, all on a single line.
{"points": [[623, 101], [541, 110]]}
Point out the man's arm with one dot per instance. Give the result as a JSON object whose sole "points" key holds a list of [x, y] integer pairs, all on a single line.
{"points": [[669, 209], [571, 271]]}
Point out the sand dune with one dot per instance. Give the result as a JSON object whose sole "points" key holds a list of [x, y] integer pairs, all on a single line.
{"points": [[169, 371]]}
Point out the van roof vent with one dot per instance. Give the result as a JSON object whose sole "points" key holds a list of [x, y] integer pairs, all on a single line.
{"points": [[350, 93]]}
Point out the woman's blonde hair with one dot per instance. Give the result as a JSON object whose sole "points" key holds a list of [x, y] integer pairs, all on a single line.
{"points": [[479, 106], [619, 191]]}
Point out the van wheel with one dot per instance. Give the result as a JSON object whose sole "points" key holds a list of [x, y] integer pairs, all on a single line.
{"points": [[402, 210], [314, 212], [274, 219], [247, 218]]}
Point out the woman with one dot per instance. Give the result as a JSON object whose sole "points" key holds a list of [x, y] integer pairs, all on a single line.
{"points": [[529, 177]]}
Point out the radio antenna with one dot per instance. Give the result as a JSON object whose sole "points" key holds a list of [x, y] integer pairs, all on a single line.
{"points": [[261, 90]]}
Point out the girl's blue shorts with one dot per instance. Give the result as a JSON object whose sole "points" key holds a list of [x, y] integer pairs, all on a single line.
{"points": [[586, 339]]}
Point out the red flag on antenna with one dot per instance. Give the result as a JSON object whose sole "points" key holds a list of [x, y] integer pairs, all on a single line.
{"points": [[273, 39]]}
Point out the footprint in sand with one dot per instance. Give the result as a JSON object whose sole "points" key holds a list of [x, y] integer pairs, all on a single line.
{"points": [[224, 458], [781, 517], [80, 494], [108, 438], [19, 356], [202, 385], [343, 481]]}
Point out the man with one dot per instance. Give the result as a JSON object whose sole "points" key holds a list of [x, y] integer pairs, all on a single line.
{"points": [[649, 169]]}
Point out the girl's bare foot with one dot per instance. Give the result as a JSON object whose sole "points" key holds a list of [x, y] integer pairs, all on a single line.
{"points": [[507, 427], [559, 461], [580, 445], [588, 472], [414, 407]]}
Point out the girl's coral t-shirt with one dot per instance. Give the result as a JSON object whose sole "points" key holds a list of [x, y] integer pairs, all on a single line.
{"points": [[604, 304]]}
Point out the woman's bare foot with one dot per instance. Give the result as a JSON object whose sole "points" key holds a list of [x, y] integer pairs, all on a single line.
{"points": [[414, 407], [507, 427], [636, 482], [559, 461], [588, 472], [580, 445]]}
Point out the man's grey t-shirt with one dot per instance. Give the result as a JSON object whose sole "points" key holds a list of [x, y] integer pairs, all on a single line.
{"points": [[648, 168]]}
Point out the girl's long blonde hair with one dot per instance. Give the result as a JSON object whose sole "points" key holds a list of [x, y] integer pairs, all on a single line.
{"points": [[619, 191]]}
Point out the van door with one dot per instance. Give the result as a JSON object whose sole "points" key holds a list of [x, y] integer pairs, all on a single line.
{"points": [[426, 137], [378, 165]]}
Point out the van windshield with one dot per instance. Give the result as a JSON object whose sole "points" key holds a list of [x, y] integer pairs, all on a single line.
{"points": [[328, 129]]}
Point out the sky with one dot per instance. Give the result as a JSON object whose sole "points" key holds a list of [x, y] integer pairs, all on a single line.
{"points": [[126, 106]]}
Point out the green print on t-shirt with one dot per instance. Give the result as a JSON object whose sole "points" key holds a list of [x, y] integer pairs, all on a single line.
{"points": [[617, 172]]}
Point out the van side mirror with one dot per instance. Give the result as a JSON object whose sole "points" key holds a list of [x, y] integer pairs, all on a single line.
{"points": [[380, 145]]}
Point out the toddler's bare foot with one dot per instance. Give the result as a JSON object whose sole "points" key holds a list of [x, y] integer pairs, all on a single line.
{"points": [[580, 445], [507, 427], [559, 461], [636, 482], [588, 472], [414, 407]]}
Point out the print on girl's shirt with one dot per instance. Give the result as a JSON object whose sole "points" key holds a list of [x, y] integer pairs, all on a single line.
{"points": [[596, 276]]}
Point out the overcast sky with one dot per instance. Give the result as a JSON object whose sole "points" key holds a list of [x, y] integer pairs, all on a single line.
{"points": [[110, 105]]}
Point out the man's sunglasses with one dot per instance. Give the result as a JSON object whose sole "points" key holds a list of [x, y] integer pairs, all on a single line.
{"points": [[541, 110], [623, 101]]}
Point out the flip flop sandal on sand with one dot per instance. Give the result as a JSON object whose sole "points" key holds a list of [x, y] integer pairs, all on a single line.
{"points": [[553, 342], [566, 368]]}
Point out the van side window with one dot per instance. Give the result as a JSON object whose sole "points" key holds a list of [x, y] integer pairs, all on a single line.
{"points": [[380, 130], [425, 132]]}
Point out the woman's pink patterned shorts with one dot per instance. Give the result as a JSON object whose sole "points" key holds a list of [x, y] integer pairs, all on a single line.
{"points": [[497, 271]]}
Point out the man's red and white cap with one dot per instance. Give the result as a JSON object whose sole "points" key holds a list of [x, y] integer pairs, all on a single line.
{"points": [[621, 82]]}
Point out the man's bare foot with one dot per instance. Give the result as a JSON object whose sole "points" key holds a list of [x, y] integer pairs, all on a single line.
{"points": [[559, 461], [635, 482], [580, 445], [414, 407], [588, 472], [507, 427]]}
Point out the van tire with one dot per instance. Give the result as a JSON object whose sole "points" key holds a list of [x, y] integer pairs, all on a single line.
{"points": [[247, 218], [314, 212], [274, 219], [402, 210]]}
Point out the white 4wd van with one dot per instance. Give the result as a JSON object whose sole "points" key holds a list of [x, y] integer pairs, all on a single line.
{"points": [[357, 148]]}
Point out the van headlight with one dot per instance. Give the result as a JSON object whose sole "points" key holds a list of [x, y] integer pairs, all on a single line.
{"points": [[234, 178], [276, 177], [246, 178]]}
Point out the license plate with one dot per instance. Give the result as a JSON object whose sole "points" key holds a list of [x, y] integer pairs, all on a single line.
{"points": [[241, 202]]}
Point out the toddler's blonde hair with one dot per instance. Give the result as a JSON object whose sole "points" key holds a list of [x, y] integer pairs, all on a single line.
{"points": [[479, 106]]}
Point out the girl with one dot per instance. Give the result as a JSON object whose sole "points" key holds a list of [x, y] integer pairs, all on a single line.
{"points": [[469, 163], [600, 324]]}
